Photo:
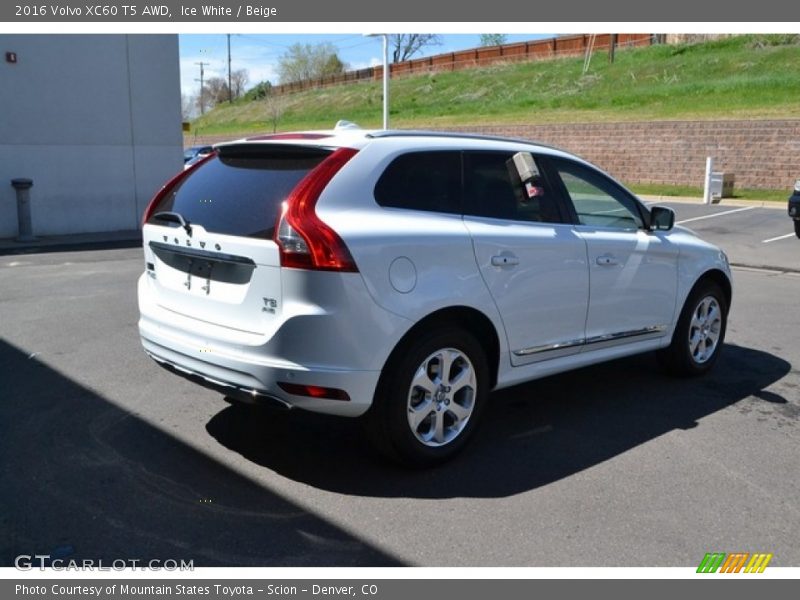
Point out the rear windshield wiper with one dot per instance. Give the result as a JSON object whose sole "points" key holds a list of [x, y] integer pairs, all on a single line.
{"points": [[174, 217]]}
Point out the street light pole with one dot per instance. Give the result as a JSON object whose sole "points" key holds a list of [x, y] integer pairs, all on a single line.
{"points": [[385, 76], [385, 81]]}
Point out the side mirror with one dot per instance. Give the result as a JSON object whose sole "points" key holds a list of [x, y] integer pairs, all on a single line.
{"points": [[661, 218]]}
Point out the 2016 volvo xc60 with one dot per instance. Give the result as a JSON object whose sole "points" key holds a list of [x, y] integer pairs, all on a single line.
{"points": [[402, 276]]}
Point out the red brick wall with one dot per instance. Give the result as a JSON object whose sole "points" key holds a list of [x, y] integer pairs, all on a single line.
{"points": [[761, 154]]}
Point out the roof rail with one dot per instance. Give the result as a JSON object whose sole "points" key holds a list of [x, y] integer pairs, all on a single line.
{"points": [[454, 135]]}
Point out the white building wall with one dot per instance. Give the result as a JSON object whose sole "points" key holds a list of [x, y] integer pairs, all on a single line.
{"points": [[95, 121]]}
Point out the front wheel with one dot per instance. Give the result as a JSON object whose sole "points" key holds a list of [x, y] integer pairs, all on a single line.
{"points": [[430, 397], [797, 228], [700, 332]]}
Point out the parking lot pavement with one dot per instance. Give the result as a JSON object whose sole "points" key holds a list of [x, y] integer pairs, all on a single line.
{"points": [[104, 455], [751, 235]]}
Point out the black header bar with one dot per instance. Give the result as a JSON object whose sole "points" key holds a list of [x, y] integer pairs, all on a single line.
{"points": [[370, 11]]}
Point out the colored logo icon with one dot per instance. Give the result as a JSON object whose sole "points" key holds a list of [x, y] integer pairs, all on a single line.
{"points": [[721, 562]]}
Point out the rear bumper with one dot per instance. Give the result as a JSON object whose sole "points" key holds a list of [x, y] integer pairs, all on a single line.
{"points": [[340, 343], [255, 376]]}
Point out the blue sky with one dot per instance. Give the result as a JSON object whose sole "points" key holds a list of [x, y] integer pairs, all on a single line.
{"points": [[259, 54]]}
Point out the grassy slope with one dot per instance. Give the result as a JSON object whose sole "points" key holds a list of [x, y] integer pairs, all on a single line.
{"points": [[687, 191], [740, 77]]}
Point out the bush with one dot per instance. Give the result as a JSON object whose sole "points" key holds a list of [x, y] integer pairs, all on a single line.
{"points": [[261, 90]]}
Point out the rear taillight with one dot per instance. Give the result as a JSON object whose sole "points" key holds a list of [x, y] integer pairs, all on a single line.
{"points": [[169, 186], [305, 241]]}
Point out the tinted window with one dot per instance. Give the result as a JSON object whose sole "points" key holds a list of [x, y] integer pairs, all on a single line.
{"points": [[598, 201], [429, 181], [239, 193], [493, 188]]}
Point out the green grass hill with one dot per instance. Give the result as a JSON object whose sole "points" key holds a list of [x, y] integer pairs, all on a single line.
{"points": [[742, 77]]}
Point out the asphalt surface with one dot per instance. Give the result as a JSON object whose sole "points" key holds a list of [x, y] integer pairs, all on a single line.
{"points": [[105, 455]]}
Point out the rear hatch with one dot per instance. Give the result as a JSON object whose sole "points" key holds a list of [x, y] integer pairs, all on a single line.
{"points": [[208, 238]]}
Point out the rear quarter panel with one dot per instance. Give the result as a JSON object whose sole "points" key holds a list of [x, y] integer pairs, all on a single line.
{"points": [[432, 249]]}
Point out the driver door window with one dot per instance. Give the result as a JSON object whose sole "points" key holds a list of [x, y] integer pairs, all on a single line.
{"points": [[597, 202]]}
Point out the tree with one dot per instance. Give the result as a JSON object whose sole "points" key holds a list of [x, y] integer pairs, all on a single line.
{"points": [[304, 61], [239, 79], [203, 101], [274, 107], [215, 91], [493, 39], [406, 45], [188, 106]]}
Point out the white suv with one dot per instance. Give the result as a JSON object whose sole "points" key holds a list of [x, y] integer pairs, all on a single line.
{"points": [[404, 275]]}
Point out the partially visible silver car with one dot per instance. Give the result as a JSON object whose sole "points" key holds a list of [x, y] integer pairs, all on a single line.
{"points": [[194, 153]]}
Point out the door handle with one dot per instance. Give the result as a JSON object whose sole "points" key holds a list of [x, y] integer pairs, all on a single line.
{"points": [[505, 260], [607, 260]]}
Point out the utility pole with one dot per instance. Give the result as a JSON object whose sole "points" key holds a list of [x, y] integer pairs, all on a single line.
{"points": [[202, 86], [230, 90]]}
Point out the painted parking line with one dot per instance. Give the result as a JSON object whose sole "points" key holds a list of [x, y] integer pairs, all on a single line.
{"points": [[727, 212], [780, 237]]}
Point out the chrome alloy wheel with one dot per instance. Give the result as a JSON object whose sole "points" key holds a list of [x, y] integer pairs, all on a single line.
{"points": [[704, 329], [442, 397]]}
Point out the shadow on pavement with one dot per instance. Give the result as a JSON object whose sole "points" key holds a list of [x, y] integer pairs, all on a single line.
{"points": [[533, 434], [81, 478]]}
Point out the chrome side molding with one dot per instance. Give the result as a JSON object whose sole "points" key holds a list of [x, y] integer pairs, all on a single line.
{"points": [[598, 339], [549, 347], [621, 335]]}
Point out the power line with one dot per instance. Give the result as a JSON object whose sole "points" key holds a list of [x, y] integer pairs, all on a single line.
{"points": [[263, 42], [356, 45]]}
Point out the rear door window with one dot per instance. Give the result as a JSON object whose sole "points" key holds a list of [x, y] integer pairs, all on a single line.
{"points": [[493, 188], [240, 191], [426, 181]]}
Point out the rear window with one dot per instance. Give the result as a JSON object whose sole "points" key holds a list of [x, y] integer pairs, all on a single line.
{"points": [[240, 191]]}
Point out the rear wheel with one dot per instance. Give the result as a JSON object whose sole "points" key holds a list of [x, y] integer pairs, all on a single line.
{"points": [[797, 228], [430, 397], [700, 332]]}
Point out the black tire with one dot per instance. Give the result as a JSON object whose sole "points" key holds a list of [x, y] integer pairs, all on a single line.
{"points": [[389, 420], [797, 228], [684, 359]]}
